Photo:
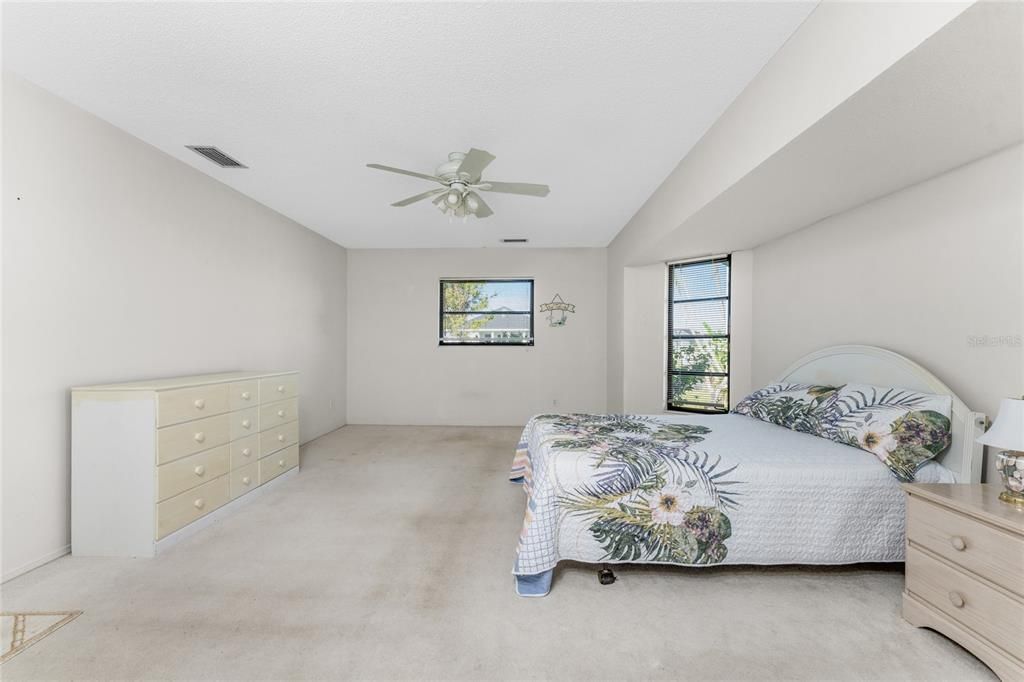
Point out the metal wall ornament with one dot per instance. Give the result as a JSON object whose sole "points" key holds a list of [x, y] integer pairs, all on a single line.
{"points": [[557, 311]]}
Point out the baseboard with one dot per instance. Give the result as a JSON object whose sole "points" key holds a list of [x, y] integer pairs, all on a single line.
{"points": [[32, 565]]}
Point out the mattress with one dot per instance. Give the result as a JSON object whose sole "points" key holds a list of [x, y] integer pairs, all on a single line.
{"points": [[731, 490]]}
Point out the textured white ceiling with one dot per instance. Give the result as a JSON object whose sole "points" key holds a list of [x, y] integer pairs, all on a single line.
{"points": [[598, 100]]}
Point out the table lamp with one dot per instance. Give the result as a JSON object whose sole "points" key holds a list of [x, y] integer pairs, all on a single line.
{"points": [[1007, 432]]}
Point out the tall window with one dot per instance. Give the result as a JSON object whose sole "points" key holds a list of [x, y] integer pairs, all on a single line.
{"points": [[698, 336], [486, 312]]}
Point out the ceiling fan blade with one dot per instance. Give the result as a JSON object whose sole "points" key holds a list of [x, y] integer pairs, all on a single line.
{"points": [[414, 174], [525, 188], [482, 209], [474, 164], [419, 197]]}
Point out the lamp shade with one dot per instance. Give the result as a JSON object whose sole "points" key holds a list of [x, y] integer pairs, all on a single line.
{"points": [[1007, 431]]}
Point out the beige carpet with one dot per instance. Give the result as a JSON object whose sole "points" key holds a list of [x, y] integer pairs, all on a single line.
{"points": [[388, 557]]}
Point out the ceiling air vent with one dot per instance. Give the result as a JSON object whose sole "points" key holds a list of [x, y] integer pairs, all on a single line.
{"points": [[217, 156], [514, 240]]}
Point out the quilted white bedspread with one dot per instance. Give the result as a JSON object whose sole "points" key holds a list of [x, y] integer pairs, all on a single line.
{"points": [[699, 490]]}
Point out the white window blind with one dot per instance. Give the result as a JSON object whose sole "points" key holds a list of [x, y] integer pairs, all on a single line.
{"points": [[698, 336]]}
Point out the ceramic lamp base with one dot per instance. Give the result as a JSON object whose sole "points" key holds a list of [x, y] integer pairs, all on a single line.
{"points": [[1010, 466]]}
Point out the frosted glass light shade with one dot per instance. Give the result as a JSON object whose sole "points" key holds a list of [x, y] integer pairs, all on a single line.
{"points": [[1007, 431]]}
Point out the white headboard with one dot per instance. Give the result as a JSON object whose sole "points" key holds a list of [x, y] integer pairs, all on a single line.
{"points": [[880, 367]]}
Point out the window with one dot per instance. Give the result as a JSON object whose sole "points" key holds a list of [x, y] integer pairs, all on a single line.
{"points": [[698, 336], [486, 312]]}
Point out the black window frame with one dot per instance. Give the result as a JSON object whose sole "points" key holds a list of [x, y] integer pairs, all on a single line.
{"points": [[503, 280], [670, 336]]}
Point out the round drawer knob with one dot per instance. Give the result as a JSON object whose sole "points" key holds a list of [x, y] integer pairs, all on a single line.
{"points": [[246, 395], [246, 452], [958, 543], [280, 463], [246, 480], [199, 403], [199, 504], [280, 389], [280, 437], [280, 413], [200, 470], [246, 423], [200, 437], [956, 599]]}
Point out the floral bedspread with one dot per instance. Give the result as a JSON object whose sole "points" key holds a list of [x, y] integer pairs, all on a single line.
{"points": [[699, 490], [642, 489]]}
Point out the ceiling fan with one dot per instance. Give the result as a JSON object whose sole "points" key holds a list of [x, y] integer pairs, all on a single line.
{"points": [[460, 182]]}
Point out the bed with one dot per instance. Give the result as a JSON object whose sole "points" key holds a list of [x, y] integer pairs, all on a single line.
{"points": [[701, 490]]}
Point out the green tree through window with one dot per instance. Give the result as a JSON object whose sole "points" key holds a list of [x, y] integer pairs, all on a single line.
{"points": [[493, 312]]}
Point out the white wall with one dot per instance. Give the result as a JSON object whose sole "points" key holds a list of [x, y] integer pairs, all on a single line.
{"points": [[120, 262], [841, 47], [920, 272], [399, 375]]}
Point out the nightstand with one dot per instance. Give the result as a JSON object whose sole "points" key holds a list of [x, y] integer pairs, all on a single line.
{"points": [[965, 571]]}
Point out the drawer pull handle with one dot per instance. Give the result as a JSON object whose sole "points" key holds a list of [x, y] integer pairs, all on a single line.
{"points": [[200, 437], [245, 480], [199, 403], [200, 470], [280, 389], [246, 452], [199, 504], [958, 543], [246, 395], [956, 599], [280, 413], [280, 463], [246, 423], [280, 437]]}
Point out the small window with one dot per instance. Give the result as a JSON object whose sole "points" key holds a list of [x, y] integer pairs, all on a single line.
{"points": [[486, 312], [698, 336]]}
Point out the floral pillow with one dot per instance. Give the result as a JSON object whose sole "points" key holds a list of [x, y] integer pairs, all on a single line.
{"points": [[904, 429], [794, 406]]}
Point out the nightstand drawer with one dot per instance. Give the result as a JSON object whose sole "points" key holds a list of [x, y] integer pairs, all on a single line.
{"points": [[995, 616], [989, 552]]}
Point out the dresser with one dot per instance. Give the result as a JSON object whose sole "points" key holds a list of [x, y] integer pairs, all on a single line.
{"points": [[965, 571], [154, 460]]}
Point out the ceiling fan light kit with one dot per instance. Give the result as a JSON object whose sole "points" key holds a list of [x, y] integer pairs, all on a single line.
{"points": [[460, 177]]}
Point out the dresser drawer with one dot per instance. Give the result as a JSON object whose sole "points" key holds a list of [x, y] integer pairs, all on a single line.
{"points": [[988, 612], [279, 437], [278, 388], [245, 479], [243, 394], [245, 423], [185, 508], [989, 552], [278, 463], [185, 404], [175, 442], [188, 472], [276, 414], [245, 451]]}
